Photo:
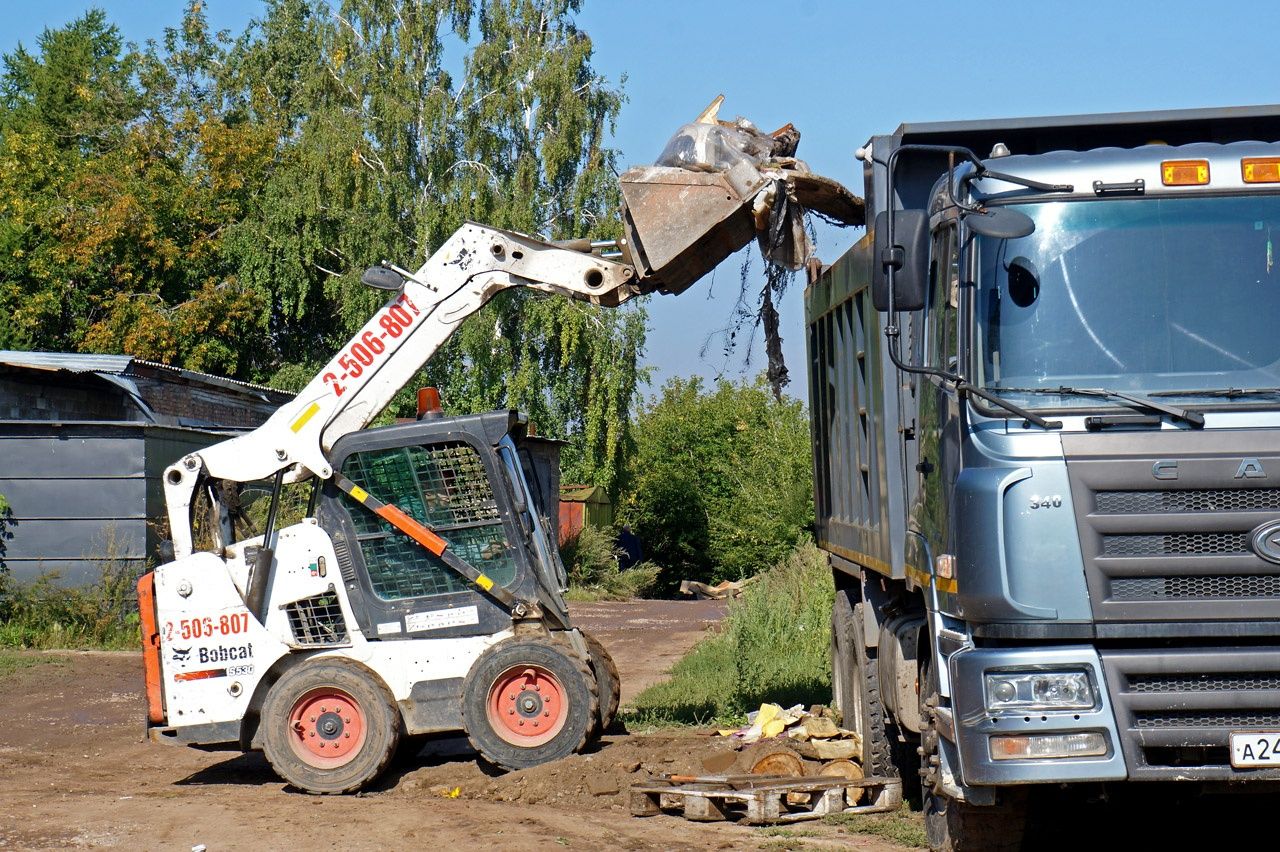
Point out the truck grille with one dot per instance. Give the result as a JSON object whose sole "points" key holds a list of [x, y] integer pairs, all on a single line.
{"points": [[1174, 544], [1209, 587], [1165, 524], [1193, 500], [1176, 709]]}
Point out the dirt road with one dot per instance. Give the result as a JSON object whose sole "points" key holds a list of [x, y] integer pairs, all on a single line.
{"points": [[75, 771]]}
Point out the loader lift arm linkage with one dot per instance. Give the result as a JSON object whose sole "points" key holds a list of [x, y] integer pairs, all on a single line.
{"points": [[469, 269]]}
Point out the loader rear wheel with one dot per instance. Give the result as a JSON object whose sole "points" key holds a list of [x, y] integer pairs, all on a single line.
{"points": [[608, 683], [329, 726], [528, 701]]}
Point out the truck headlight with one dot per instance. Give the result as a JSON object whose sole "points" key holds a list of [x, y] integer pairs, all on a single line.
{"points": [[1039, 691]]}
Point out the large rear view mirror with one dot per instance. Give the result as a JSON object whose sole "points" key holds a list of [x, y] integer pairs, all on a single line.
{"points": [[1000, 222], [909, 256]]}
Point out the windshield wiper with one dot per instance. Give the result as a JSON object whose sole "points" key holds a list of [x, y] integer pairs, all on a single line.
{"points": [[1228, 393], [1191, 418], [1029, 416]]}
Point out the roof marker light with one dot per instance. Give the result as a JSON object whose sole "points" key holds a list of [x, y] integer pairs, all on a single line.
{"points": [[1184, 172], [1260, 169]]}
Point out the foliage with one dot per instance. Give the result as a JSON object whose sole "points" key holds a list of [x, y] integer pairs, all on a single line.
{"points": [[774, 645], [44, 614], [594, 574], [721, 484], [6, 522], [210, 202], [903, 826]]}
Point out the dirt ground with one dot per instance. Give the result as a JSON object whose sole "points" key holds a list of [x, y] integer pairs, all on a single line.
{"points": [[75, 771]]}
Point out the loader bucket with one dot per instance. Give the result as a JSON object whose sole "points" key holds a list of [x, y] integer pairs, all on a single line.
{"points": [[680, 224]]}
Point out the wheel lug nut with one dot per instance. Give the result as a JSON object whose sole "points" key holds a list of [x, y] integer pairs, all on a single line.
{"points": [[521, 723], [313, 718], [313, 733], [545, 713], [511, 712], [347, 735]]}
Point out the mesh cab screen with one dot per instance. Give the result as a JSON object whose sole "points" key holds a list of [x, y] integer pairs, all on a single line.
{"points": [[444, 486]]}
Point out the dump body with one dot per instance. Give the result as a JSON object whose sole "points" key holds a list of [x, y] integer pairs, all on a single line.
{"points": [[1133, 550]]}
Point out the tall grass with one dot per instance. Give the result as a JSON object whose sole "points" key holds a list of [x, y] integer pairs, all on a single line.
{"points": [[591, 560], [774, 645], [44, 614]]}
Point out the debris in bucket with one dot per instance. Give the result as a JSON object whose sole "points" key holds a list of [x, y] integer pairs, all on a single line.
{"points": [[733, 183]]}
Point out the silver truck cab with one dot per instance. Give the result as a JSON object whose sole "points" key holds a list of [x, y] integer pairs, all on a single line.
{"points": [[1050, 491]]}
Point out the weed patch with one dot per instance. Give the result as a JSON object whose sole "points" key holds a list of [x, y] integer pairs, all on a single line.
{"points": [[43, 614], [774, 645], [902, 826]]}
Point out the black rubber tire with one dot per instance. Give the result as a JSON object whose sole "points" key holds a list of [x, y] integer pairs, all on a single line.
{"points": [[382, 726], [857, 683], [574, 676], [953, 826], [608, 683]]}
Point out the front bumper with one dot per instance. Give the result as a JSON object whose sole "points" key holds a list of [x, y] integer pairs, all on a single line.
{"points": [[974, 725]]}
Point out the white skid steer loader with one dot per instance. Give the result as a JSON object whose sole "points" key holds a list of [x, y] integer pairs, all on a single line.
{"points": [[422, 592]]}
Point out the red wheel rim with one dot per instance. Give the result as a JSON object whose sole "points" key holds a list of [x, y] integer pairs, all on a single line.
{"points": [[527, 706], [326, 727]]}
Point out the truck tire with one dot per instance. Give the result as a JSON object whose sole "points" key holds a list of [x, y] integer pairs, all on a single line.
{"points": [[608, 683], [529, 701], [955, 826], [329, 726], [856, 687]]}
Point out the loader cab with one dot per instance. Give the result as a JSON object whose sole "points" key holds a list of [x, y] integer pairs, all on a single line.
{"points": [[465, 478]]}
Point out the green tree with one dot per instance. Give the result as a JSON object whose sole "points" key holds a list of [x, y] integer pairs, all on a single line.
{"points": [[211, 202], [385, 153], [117, 179], [721, 484], [6, 521]]}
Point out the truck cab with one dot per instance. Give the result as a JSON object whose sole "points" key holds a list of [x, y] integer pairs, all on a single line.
{"points": [[1046, 464]]}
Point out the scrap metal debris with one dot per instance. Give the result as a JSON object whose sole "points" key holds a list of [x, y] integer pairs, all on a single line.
{"points": [[732, 182]]}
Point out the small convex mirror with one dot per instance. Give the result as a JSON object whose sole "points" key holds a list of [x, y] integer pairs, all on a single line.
{"points": [[382, 278], [1000, 222]]}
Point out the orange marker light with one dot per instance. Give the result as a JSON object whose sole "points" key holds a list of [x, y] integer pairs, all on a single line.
{"points": [[1184, 172], [1260, 169]]}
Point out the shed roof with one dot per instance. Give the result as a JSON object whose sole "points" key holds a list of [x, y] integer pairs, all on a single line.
{"points": [[126, 365]]}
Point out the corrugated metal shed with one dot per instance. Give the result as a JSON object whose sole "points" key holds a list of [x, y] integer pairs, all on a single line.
{"points": [[84, 440]]}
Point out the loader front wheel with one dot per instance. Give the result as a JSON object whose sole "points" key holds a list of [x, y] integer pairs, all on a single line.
{"points": [[608, 683], [329, 726], [528, 701]]}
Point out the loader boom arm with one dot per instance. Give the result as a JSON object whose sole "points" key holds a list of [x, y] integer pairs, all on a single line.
{"points": [[472, 266]]}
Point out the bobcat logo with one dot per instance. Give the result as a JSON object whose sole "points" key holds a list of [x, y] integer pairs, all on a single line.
{"points": [[181, 655]]}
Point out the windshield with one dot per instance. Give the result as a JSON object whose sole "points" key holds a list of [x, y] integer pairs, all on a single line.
{"points": [[1141, 295]]}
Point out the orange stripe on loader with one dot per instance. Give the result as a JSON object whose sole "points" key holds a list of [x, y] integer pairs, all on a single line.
{"points": [[412, 528], [150, 646]]}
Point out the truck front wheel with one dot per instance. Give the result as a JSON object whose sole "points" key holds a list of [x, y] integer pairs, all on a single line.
{"points": [[952, 825], [329, 726]]}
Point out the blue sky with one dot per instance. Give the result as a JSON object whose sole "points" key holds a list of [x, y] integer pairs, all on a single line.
{"points": [[841, 72]]}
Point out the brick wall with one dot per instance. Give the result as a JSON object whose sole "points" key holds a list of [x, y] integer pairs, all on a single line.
{"points": [[34, 395]]}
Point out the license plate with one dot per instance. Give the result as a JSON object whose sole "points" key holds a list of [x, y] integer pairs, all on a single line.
{"points": [[1255, 748]]}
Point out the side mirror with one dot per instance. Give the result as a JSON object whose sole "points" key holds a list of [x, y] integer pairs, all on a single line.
{"points": [[909, 255], [1002, 223], [382, 278]]}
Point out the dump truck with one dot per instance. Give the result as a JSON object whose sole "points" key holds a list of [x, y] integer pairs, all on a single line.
{"points": [[1045, 397], [415, 586]]}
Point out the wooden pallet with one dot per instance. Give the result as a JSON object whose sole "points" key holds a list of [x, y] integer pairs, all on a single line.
{"points": [[762, 799]]}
